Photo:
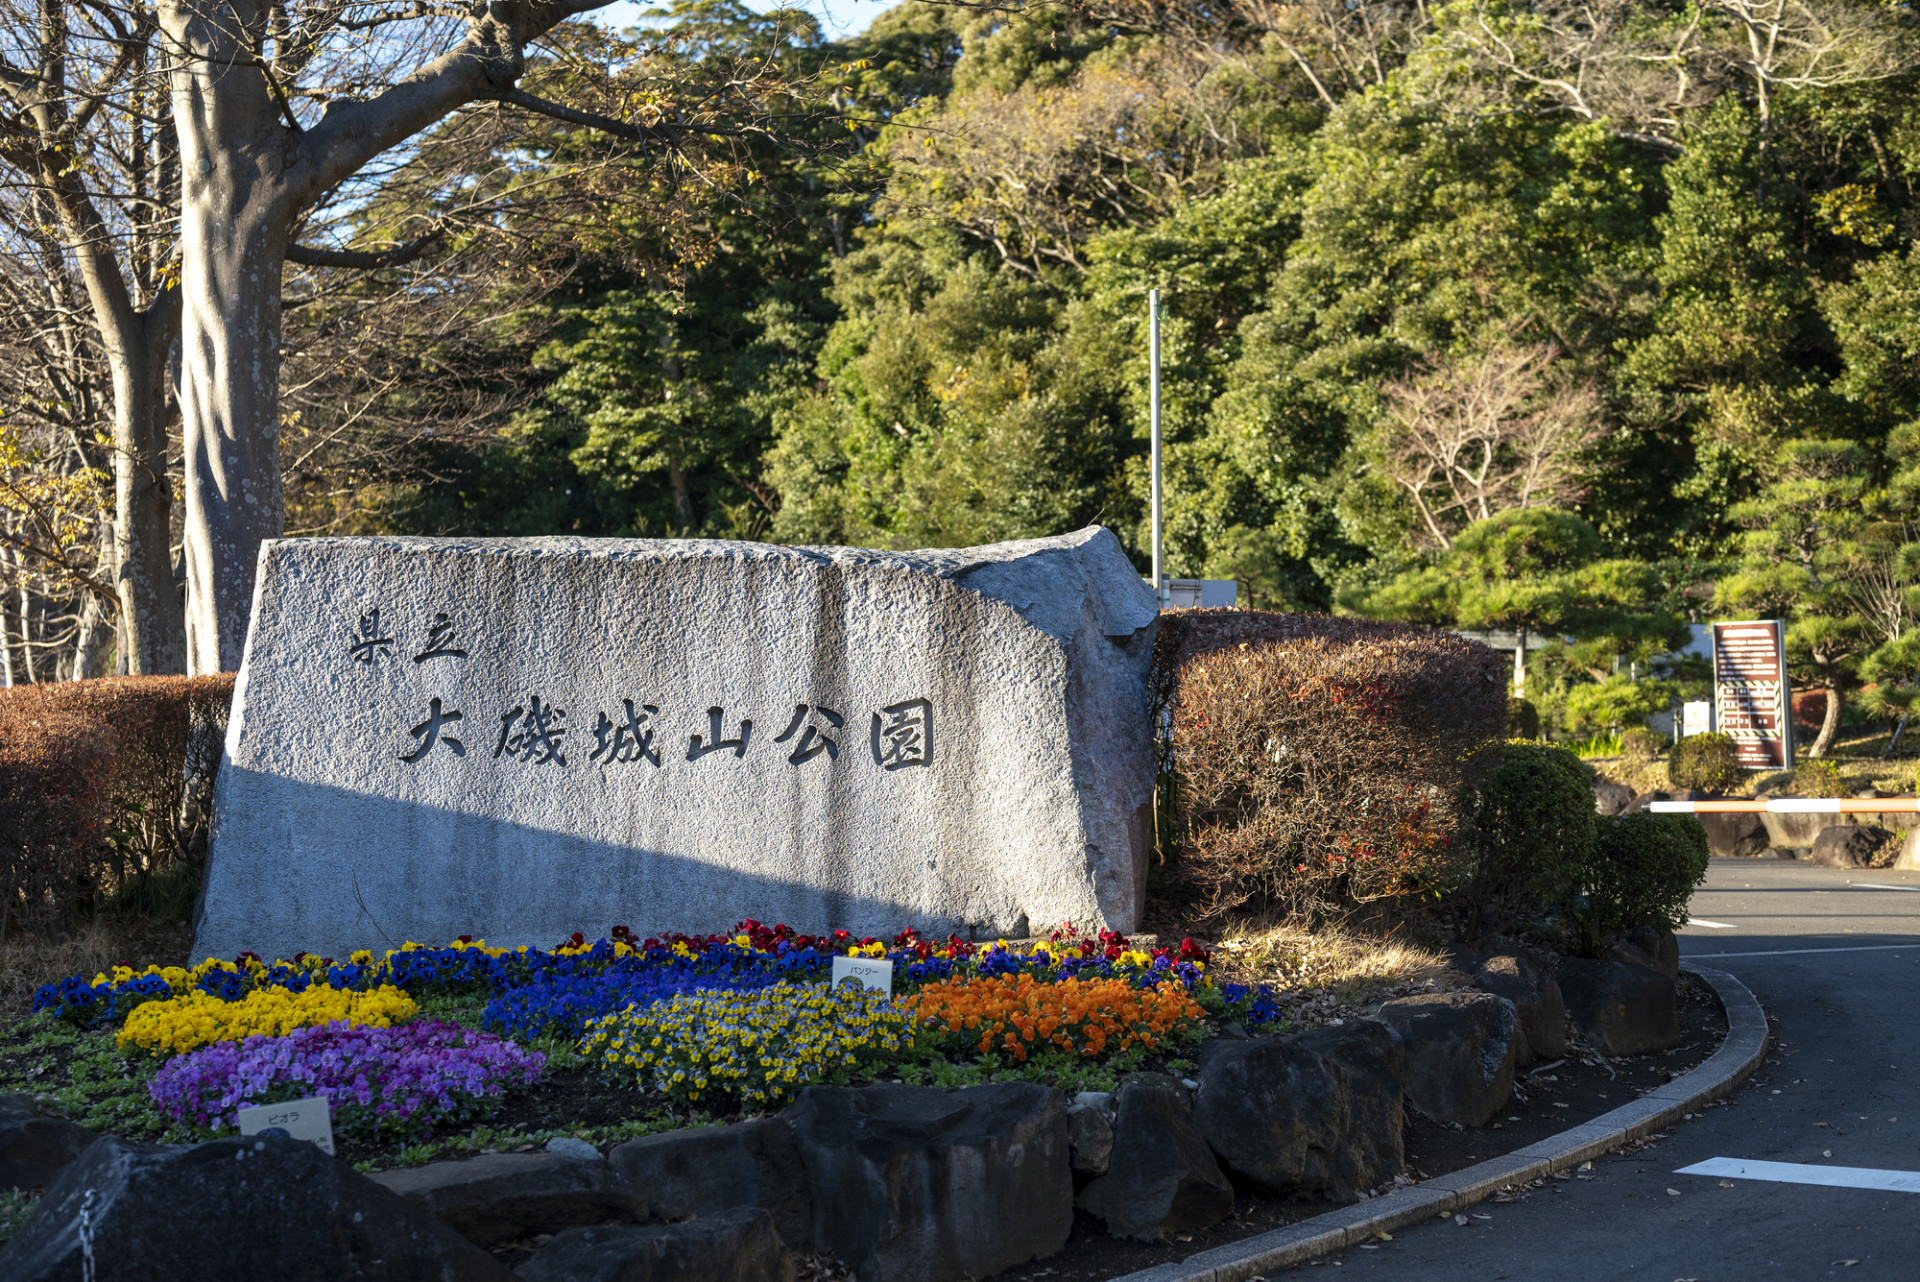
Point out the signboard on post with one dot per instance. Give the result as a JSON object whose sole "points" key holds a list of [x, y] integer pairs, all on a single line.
{"points": [[1751, 699], [1696, 718]]}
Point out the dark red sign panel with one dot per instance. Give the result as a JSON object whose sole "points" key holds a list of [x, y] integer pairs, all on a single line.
{"points": [[1751, 701]]}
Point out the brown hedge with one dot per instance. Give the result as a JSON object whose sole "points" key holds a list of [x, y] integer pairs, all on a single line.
{"points": [[1317, 760], [101, 781]]}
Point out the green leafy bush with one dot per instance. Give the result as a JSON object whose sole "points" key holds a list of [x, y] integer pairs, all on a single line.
{"points": [[1532, 835], [1641, 744], [1323, 761], [1819, 777], [1523, 719], [1642, 872], [1704, 762]]}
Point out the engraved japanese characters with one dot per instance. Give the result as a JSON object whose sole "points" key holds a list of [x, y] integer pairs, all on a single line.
{"points": [[523, 738]]}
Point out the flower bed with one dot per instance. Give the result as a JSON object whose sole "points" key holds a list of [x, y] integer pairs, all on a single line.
{"points": [[1018, 1015], [641, 1032], [757, 1048], [402, 1080], [180, 1024]]}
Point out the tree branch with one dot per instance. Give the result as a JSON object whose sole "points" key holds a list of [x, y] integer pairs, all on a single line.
{"points": [[310, 256]]}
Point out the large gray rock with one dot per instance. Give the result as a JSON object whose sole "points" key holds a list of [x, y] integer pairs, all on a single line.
{"points": [[1855, 846], [498, 1197], [1659, 946], [273, 1209], [1090, 1131], [1162, 1178], [717, 1168], [1742, 835], [1318, 1113], [1461, 1052], [737, 1245], [561, 734], [1620, 1009], [1536, 1000], [34, 1147], [931, 1184]]}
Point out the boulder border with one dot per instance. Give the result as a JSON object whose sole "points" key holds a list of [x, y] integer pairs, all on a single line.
{"points": [[1739, 1055]]}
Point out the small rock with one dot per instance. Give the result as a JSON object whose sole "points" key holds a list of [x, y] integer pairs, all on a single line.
{"points": [[1536, 1000], [1620, 1009], [568, 1146], [255, 1208], [736, 1245], [1090, 1137], [930, 1184], [35, 1147], [1854, 846], [1610, 798], [1162, 1178], [498, 1197], [1102, 1100], [1461, 1051], [1317, 1113], [706, 1169]]}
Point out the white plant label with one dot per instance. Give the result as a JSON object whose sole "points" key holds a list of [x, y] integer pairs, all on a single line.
{"points": [[300, 1119], [864, 971]]}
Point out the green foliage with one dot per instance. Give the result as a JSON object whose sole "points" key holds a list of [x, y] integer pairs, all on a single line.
{"points": [[1819, 778], [1532, 834], [1642, 872], [1704, 763], [1523, 719]]}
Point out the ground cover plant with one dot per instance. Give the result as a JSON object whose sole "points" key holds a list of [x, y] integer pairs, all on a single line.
{"points": [[427, 1051]]}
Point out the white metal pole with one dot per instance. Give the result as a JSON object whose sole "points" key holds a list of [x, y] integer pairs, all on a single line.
{"points": [[1153, 392]]}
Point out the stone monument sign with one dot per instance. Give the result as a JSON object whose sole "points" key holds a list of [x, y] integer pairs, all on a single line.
{"points": [[520, 738]]}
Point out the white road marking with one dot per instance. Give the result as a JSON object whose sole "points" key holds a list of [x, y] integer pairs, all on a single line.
{"points": [[1797, 952], [1712, 925], [1838, 1177], [1867, 885]]}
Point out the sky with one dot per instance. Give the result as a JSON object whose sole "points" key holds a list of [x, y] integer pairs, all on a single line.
{"points": [[843, 17]]}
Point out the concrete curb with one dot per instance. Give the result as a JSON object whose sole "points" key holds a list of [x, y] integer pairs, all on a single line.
{"points": [[1725, 1069]]}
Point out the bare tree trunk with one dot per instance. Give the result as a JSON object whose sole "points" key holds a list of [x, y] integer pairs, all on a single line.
{"points": [[154, 630], [26, 632], [87, 644], [6, 628], [1829, 724], [235, 223], [1520, 665]]}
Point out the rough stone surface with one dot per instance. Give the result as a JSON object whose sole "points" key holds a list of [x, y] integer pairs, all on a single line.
{"points": [[1536, 1000], [1854, 846], [931, 1184], [716, 1168], [1461, 1051], [737, 1245], [35, 1148], [1090, 1134], [953, 739], [1162, 1178], [568, 1146], [256, 1208], [1658, 943], [1740, 835], [1318, 1113], [502, 1196], [1610, 798], [1620, 1009]]}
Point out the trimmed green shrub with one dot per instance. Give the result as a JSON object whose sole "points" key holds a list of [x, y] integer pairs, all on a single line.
{"points": [[1319, 762], [1819, 777], [1704, 762], [1642, 872], [1532, 836], [1641, 744], [1523, 719]]}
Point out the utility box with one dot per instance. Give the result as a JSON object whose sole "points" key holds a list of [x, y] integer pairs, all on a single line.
{"points": [[1189, 594]]}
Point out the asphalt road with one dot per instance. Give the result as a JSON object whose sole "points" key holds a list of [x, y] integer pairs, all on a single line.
{"points": [[1841, 1087]]}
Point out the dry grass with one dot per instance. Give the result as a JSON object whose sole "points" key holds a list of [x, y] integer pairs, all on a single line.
{"points": [[27, 961], [1351, 967]]}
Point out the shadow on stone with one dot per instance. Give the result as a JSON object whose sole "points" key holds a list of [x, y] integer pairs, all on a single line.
{"points": [[737, 1245], [1162, 1178]]}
